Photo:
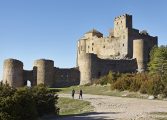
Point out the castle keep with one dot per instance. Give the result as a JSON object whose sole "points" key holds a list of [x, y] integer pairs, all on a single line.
{"points": [[125, 49]]}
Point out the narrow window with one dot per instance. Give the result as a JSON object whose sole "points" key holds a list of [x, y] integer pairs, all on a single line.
{"points": [[99, 74], [104, 46], [123, 36], [92, 49], [123, 45], [78, 50], [92, 43]]}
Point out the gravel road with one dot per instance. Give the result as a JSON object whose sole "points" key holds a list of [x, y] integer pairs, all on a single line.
{"points": [[118, 108]]}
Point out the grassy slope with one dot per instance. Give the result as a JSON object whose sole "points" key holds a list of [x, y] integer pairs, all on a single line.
{"points": [[72, 106], [159, 115], [101, 90]]}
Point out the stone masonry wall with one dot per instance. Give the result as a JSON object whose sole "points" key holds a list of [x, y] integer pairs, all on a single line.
{"points": [[13, 73], [66, 77], [43, 72]]}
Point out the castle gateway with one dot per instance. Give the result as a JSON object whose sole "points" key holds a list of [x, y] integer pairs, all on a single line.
{"points": [[124, 50]]}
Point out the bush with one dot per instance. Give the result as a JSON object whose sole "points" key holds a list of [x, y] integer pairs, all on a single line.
{"points": [[153, 86], [122, 83], [24, 107], [44, 100], [6, 90], [26, 103], [165, 91], [146, 87], [102, 81], [158, 87], [135, 84], [107, 79]]}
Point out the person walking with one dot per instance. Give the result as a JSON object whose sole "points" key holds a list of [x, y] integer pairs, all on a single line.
{"points": [[80, 94], [73, 93]]}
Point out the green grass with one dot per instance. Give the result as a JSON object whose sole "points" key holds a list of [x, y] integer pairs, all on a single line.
{"points": [[100, 90], [159, 115], [72, 106]]}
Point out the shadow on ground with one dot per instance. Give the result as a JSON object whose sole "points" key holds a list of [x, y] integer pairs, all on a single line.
{"points": [[85, 116]]}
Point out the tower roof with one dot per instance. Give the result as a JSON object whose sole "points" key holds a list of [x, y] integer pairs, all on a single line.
{"points": [[93, 31]]}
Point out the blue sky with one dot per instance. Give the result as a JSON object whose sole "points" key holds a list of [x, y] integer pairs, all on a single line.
{"points": [[33, 29]]}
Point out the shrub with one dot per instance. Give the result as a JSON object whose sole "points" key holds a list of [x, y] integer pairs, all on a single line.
{"points": [[24, 107], [158, 87], [6, 90], [102, 81], [146, 87], [110, 78], [26, 103], [44, 100], [153, 86], [135, 84], [122, 83], [165, 91]]}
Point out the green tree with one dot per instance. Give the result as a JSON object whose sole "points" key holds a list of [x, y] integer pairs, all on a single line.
{"points": [[158, 62]]}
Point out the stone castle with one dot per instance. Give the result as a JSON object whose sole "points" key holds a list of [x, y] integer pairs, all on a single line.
{"points": [[124, 50]]}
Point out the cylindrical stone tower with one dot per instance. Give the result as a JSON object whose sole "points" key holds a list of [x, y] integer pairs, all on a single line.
{"points": [[85, 68], [13, 73], [44, 72], [138, 53]]}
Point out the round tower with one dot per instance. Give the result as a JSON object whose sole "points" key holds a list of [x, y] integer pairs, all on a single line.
{"points": [[81, 49], [44, 72], [138, 53], [13, 73], [83, 62], [85, 68], [86, 63]]}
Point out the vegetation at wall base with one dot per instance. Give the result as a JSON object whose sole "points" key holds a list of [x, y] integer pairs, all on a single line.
{"points": [[26, 103], [140, 85], [152, 82]]}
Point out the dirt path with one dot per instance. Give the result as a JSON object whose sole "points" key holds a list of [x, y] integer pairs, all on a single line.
{"points": [[117, 108]]}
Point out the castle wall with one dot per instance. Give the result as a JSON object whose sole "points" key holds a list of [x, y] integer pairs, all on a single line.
{"points": [[118, 44], [29, 75], [91, 67], [124, 50], [13, 73], [43, 72], [66, 77], [107, 46], [122, 66]]}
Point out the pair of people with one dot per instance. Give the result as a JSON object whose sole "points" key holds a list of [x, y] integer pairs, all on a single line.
{"points": [[80, 94]]}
